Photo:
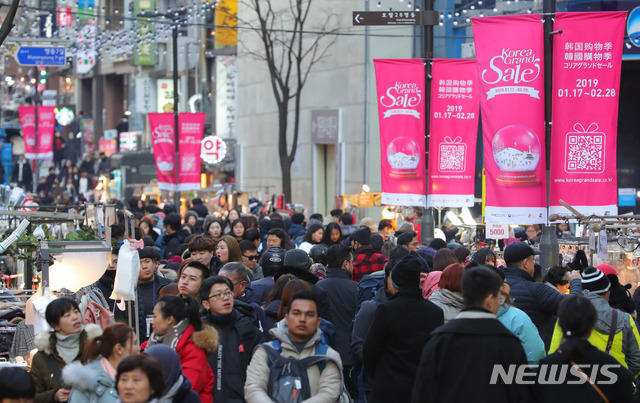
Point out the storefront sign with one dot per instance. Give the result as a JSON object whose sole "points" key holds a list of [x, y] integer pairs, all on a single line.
{"points": [[164, 95], [627, 197], [145, 48], [325, 126], [213, 149], [146, 95], [586, 84], [400, 85], [226, 99], [510, 60], [129, 141], [109, 147], [453, 133], [46, 122]]}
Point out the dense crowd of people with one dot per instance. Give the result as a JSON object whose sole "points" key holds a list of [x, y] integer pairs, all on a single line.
{"points": [[245, 308]]}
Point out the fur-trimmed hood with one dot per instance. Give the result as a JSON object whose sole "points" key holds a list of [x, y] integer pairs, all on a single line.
{"points": [[87, 378], [206, 339], [45, 341]]}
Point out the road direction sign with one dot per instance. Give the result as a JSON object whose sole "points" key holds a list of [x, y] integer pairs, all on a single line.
{"points": [[387, 18], [362, 18], [41, 56]]}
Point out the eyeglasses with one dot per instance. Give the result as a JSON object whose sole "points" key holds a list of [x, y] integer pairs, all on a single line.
{"points": [[220, 295], [253, 257]]}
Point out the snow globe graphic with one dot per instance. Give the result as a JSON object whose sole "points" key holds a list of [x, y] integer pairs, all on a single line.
{"points": [[403, 155], [516, 152]]}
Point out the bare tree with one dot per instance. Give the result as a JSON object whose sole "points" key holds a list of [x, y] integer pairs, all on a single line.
{"points": [[8, 24], [290, 53]]}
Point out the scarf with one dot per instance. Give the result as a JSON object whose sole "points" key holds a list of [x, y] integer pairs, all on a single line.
{"points": [[172, 337], [108, 368], [168, 396], [68, 346]]}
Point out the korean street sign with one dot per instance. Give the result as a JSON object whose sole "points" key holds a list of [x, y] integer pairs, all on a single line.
{"points": [[362, 18], [41, 56]]}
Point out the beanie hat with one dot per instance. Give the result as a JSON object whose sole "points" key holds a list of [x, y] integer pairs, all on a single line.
{"points": [[297, 218], [595, 281], [319, 270], [362, 236], [297, 259], [404, 227], [406, 274]]}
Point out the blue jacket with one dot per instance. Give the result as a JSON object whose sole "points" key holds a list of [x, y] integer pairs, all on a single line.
{"points": [[89, 383], [297, 232], [537, 300], [523, 328]]}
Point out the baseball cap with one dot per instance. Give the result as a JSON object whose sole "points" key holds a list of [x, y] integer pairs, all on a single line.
{"points": [[517, 251]]}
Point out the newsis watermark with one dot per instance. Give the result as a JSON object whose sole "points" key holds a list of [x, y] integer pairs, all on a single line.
{"points": [[554, 374]]}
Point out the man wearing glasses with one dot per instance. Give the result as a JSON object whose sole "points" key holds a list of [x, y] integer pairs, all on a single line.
{"points": [[238, 336]]}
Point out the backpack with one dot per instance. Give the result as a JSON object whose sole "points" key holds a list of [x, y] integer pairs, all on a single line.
{"points": [[288, 378], [368, 287]]}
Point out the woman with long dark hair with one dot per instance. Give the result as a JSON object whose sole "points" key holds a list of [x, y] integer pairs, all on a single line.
{"points": [[237, 229], [94, 378], [176, 323], [332, 234], [228, 250], [313, 236], [586, 378]]}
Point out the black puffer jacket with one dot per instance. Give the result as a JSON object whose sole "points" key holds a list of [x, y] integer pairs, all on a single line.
{"points": [[173, 241], [238, 336], [537, 300]]}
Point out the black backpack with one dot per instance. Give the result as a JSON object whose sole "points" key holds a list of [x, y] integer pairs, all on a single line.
{"points": [[288, 379], [368, 287]]}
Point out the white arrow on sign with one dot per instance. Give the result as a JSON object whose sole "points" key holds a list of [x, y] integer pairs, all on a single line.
{"points": [[358, 18]]}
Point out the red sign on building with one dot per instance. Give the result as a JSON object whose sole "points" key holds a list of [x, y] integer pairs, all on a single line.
{"points": [[65, 17]]}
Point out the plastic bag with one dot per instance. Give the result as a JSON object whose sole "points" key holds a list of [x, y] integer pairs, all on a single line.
{"points": [[127, 272]]}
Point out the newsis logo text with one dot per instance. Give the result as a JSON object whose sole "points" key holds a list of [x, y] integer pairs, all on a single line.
{"points": [[554, 374]]}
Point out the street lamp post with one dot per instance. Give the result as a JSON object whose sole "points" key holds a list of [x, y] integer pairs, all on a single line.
{"points": [[175, 19], [174, 33]]}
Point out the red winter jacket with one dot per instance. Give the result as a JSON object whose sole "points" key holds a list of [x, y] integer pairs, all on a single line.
{"points": [[366, 262], [193, 348]]}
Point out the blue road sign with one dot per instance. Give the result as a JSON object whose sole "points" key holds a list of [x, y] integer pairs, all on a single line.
{"points": [[41, 56]]}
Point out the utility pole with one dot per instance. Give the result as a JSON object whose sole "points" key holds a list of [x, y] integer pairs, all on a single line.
{"points": [[176, 99]]}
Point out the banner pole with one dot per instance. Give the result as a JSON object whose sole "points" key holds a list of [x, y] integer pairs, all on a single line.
{"points": [[549, 244], [427, 223]]}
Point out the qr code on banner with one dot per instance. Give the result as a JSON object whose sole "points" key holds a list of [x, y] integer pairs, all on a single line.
{"points": [[452, 157], [585, 153]]}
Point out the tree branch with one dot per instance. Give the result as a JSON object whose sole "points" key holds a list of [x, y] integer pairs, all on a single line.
{"points": [[8, 24]]}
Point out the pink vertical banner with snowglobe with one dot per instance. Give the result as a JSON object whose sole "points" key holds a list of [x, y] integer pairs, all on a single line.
{"points": [[586, 83], [191, 129], [163, 140], [46, 126], [28, 124], [510, 61], [401, 108], [453, 128]]}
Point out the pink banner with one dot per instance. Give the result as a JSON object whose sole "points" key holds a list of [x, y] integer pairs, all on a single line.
{"points": [[401, 110], [453, 133], [510, 59], [586, 83], [46, 125], [28, 123], [163, 138], [190, 138]]}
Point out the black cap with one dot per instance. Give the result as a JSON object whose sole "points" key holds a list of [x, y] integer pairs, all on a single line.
{"points": [[517, 251], [362, 236], [150, 252]]}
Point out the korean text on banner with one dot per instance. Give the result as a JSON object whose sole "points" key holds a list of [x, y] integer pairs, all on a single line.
{"points": [[28, 123], [586, 82], [191, 129], [46, 125], [164, 148], [400, 85], [453, 133], [509, 54]]}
